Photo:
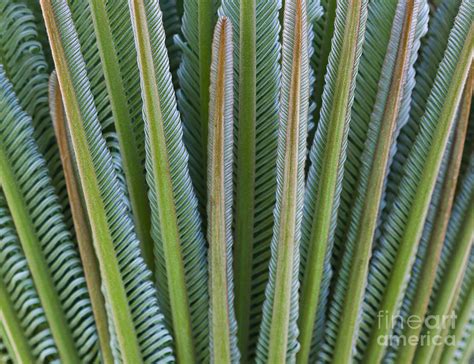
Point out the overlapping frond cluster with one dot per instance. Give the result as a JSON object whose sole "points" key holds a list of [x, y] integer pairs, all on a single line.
{"points": [[27, 186], [207, 181]]}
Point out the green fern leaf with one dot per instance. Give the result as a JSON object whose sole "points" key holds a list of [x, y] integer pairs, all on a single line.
{"points": [[47, 245], [197, 26], [372, 146], [79, 217], [223, 326], [17, 287], [454, 264], [136, 321], [394, 254], [431, 53], [323, 33], [327, 157], [180, 248], [277, 342], [35, 8], [172, 26], [463, 327], [25, 65], [256, 52]]}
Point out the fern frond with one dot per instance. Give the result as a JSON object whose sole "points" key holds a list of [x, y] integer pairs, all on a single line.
{"points": [[444, 303], [197, 26], [46, 243], [394, 254], [277, 342], [223, 326], [79, 216], [256, 84], [456, 259], [439, 222], [372, 145], [117, 73], [432, 50], [315, 12], [180, 248], [5, 358], [25, 65], [378, 29], [327, 156], [172, 26], [136, 321], [323, 33], [463, 326], [29, 332], [35, 8], [461, 205]]}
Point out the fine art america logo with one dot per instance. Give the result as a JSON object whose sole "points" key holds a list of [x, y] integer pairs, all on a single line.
{"points": [[413, 330]]}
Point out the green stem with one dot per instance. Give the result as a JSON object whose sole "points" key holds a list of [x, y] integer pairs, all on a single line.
{"points": [[132, 164], [116, 295], [326, 195], [428, 273], [373, 194], [17, 340], [81, 224], [453, 276], [37, 263], [216, 205], [245, 173], [420, 205], [180, 312]]}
